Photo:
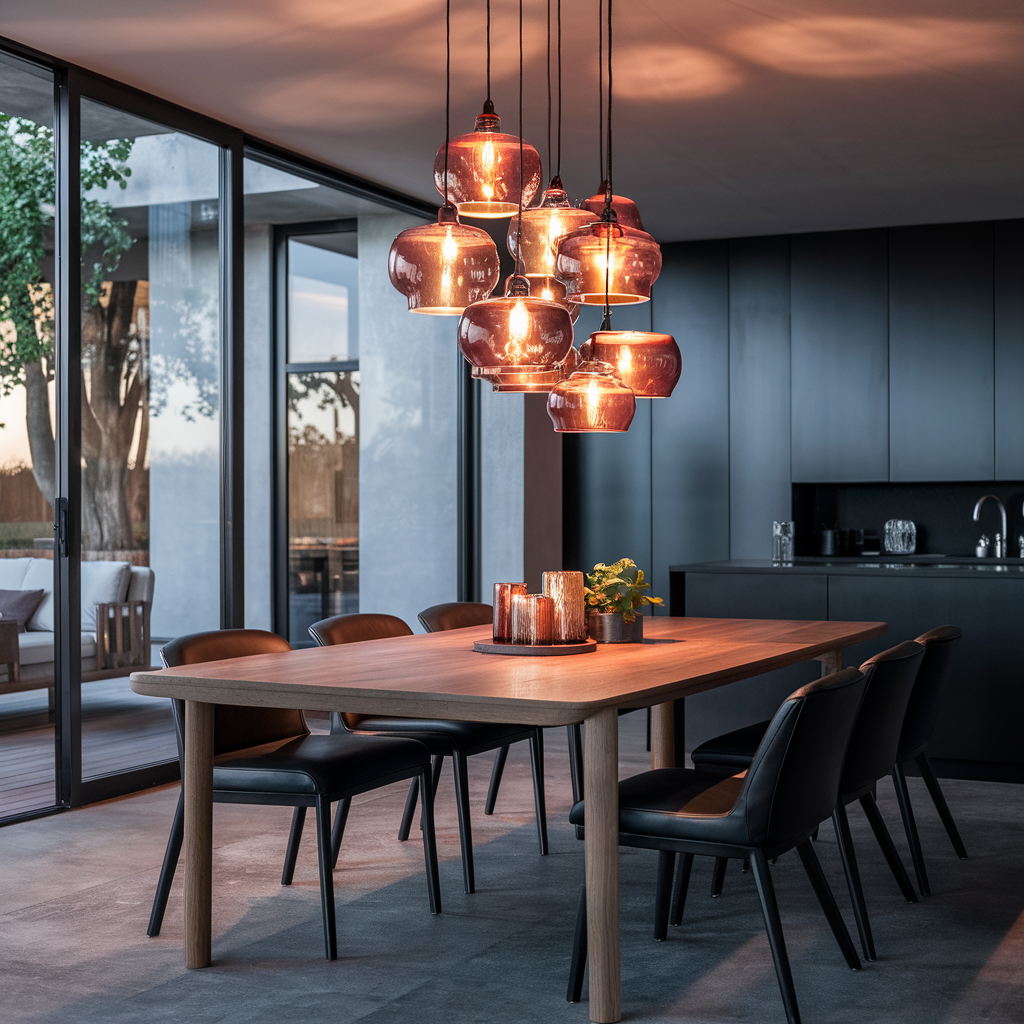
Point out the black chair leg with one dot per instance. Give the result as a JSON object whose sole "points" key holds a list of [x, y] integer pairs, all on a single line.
{"points": [[323, 849], [899, 780], [575, 733], [578, 964], [294, 839], [899, 872], [682, 885], [500, 756], [663, 894], [540, 805], [430, 844], [718, 876], [465, 829], [746, 866], [410, 810], [338, 831], [940, 805], [849, 858], [828, 903], [773, 925], [171, 855]]}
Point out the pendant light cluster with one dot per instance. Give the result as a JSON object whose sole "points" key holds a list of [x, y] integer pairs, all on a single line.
{"points": [[597, 254]]}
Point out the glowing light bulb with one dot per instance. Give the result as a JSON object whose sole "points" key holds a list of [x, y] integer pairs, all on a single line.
{"points": [[518, 329], [450, 248], [487, 155]]}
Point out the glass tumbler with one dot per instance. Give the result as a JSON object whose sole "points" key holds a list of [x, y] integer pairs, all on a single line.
{"points": [[782, 542], [503, 594], [570, 614], [900, 537], [532, 619]]}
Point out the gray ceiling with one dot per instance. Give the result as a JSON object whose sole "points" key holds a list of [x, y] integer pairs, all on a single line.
{"points": [[731, 117]]}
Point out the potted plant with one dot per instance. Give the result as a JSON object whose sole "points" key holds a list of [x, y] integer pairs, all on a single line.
{"points": [[615, 599]]}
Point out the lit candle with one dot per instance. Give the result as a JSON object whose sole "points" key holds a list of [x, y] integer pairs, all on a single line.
{"points": [[532, 619], [503, 594], [570, 619]]}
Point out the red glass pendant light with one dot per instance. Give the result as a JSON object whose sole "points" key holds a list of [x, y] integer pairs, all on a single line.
{"points": [[441, 268], [536, 382], [591, 400], [647, 362], [514, 335], [607, 263], [627, 213]]}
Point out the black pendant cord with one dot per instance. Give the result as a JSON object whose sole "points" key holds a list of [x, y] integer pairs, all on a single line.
{"points": [[548, 68], [600, 89], [447, 89], [489, 105], [558, 160], [609, 213], [519, 227]]}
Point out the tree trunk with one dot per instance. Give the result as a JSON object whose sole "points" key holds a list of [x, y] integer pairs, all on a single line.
{"points": [[40, 432]]}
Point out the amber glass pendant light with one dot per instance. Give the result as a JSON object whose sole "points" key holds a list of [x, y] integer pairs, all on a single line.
{"points": [[627, 213], [608, 262], [592, 400], [509, 340], [488, 173], [648, 362], [441, 268]]}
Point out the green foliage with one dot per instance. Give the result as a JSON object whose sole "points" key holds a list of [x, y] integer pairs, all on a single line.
{"points": [[614, 588], [27, 191]]}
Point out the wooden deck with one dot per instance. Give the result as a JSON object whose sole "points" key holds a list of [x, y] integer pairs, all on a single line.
{"points": [[120, 730]]}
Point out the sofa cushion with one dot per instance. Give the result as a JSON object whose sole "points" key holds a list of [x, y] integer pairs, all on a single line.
{"points": [[18, 606], [102, 583], [12, 572], [40, 577], [37, 648]]}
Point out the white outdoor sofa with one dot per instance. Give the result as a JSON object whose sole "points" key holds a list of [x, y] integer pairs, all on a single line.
{"points": [[117, 599]]}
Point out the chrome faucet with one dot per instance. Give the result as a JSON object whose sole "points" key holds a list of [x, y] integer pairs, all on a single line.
{"points": [[1000, 545]]}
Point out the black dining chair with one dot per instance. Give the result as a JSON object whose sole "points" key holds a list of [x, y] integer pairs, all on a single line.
{"points": [[918, 726], [300, 771], [443, 738], [791, 785], [871, 755]]}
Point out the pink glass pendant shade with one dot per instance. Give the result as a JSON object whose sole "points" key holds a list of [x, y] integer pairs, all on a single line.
{"points": [[632, 258], [591, 400], [483, 170], [647, 362], [532, 383], [543, 227], [516, 334], [442, 268], [552, 289], [626, 211]]}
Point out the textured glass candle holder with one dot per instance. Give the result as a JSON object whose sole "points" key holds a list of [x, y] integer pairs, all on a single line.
{"points": [[782, 542], [503, 594], [900, 537], [532, 619], [570, 614]]}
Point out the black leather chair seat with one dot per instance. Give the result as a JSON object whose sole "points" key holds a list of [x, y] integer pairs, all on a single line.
{"points": [[731, 752], [320, 764], [678, 803], [440, 734]]}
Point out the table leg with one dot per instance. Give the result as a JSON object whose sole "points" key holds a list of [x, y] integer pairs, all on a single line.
{"points": [[663, 735], [601, 770], [831, 661], [198, 784]]}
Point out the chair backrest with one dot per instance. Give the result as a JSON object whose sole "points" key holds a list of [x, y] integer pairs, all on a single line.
{"points": [[350, 629], [923, 709], [234, 728], [876, 735], [793, 782], [455, 615]]}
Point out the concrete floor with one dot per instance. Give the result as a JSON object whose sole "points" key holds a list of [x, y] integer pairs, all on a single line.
{"points": [[75, 893]]}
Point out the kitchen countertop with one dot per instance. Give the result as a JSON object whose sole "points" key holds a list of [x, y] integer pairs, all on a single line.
{"points": [[871, 565]]}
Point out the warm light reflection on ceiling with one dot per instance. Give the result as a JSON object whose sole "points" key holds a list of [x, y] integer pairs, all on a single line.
{"points": [[672, 72], [848, 47]]}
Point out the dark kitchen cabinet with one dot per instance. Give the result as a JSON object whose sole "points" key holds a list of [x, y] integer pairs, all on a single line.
{"points": [[1009, 357], [941, 353], [840, 356], [749, 596]]}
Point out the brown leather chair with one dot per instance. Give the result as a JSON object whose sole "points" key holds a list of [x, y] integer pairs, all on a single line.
{"points": [[442, 737], [304, 771]]}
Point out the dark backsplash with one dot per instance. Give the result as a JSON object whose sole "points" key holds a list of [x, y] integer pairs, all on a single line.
{"points": [[941, 511]]}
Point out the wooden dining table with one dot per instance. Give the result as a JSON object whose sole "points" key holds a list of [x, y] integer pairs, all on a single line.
{"points": [[439, 675]]}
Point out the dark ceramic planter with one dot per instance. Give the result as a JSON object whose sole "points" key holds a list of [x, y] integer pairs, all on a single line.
{"points": [[612, 628]]}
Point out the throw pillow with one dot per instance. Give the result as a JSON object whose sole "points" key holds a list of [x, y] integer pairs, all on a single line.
{"points": [[19, 605]]}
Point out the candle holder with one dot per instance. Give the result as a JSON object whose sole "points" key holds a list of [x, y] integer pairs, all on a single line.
{"points": [[565, 588], [503, 594], [532, 619]]}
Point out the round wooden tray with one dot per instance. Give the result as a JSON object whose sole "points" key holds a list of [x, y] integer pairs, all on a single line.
{"points": [[535, 650]]}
